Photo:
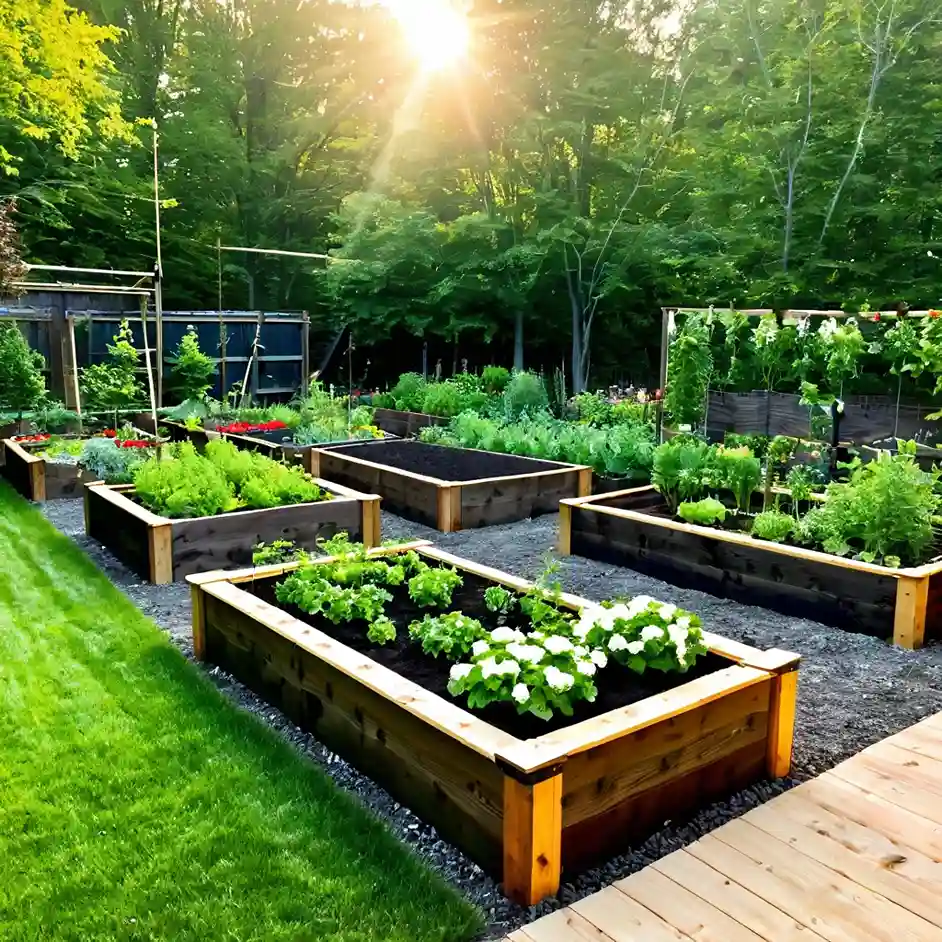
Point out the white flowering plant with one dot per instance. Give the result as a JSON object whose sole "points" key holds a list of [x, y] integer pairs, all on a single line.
{"points": [[539, 673], [452, 634], [642, 633]]}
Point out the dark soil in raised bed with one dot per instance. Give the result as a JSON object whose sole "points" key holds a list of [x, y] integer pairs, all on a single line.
{"points": [[618, 686], [444, 463]]}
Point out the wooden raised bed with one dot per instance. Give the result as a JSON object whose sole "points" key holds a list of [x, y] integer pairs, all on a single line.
{"points": [[161, 549], [525, 810], [633, 528], [458, 488], [405, 424], [40, 480]]}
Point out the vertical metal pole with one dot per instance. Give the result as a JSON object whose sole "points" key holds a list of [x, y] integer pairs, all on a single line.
{"points": [[305, 351], [75, 373], [147, 362], [158, 279], [222, 323]]}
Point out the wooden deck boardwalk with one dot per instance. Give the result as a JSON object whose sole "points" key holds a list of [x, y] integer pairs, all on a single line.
{"points": [[852, 856]]}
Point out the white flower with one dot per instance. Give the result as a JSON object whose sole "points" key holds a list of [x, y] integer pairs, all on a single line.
{"points": [[536, 636], [521, 693], [559, 680], [586, 668], [639, 604], [667, 611], [557, 644], [479, 648], [580, 651], [509, 668], [460, 671], [617, 643], [598, 658], [490, 667], [635, 647], [828, 329], [504, 634], [591, 614], [683, 622], [652, 633], [528, 653]]}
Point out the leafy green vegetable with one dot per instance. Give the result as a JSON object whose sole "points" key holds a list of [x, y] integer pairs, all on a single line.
{"points": [[434, 587], [451, 634], [773, 525], [704, 512]]}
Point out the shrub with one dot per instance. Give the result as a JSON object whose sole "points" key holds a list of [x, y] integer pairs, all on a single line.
{"points": [[191, 370], [593, 408], [680, 469], [525, 393], [773, 525], [704, 512], [628, 451], [442, 399], [407, 394], [22, 384], [109, 463], [494, 379]]}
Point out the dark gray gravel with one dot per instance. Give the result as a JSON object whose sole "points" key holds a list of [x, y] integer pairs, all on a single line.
{"points": [[853, 691]]}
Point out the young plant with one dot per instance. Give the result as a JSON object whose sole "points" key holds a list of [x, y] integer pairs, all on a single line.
{"points": [[525, 394], [704, 512], [737, 470], [114, 385], [310, 589], [191, 370], [278, 551], [433, 587], [680, 468], [773, 525], [452, 634], [109, 463], [382, 630], [499, 600]]}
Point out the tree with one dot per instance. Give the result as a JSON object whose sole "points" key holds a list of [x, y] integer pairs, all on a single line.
{"points": [[192, 371], [12, 268], [22, 385], [114, 385]]}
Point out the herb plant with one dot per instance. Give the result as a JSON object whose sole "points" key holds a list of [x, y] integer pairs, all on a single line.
{"points": [[773, 525], [114, 385], [109, 463], [433, 588]]}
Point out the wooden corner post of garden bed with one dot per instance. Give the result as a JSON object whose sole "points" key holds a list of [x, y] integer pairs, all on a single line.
{"points": [[24, 471], [782, 707], [909, 619], [449, 507], [160, 550], [532, 829]]}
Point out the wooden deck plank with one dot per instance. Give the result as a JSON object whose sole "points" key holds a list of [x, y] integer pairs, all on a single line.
{"points": [[854, 855], [684, 910], [764, 919], [900, 873], [836, 908], [624, 920]]}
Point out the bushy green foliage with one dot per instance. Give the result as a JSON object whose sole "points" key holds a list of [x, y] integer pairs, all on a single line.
{"points": [[704, 512], [191, 370], [681, 468], [498, 599], [620, 451], [409, 392], [442, 399], [109, 463], [433, 588], [451, 634], [736, 470], [278, 551], [114, 385], [689, 367], [883, 513], [224, 479], [773, 525], [22, 384], [382, 630], [494, 379], [525, 394]]}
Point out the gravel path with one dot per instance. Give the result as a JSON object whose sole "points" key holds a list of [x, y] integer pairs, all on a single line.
{"points": [[853, 690]]}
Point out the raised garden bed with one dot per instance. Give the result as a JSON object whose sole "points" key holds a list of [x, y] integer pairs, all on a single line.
{"points": [[405, 424], [452, 488], [39, 479], [634, 528], [161, 549], [526, 807]]}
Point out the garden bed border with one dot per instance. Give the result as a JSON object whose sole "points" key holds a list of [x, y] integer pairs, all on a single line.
{"points": [[158, 561], [914, 588], [536, 802], [452, 499], [403, 424]]}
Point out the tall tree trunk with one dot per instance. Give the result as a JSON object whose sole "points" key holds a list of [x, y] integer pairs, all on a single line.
{"points": [[518, 339], [578, 380]]}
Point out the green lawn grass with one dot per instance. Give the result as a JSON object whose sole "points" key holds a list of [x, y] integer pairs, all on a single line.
{"points": [[137, 803]]}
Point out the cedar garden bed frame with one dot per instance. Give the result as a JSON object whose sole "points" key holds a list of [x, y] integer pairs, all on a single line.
{"points": [[38, 479], [161, 549], [878, 600], [525, 810], [536, 488], [405, 424]]}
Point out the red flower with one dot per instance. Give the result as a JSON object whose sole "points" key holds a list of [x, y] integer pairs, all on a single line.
{"points": [[31, 438], [134, 443], [876, 317], [109, 433], [934, 313], [240, 428]]}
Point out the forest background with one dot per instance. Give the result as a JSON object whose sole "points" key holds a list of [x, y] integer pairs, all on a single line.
{"points": [[536, 202]]}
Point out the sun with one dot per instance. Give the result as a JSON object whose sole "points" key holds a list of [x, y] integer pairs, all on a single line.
{"points": [[436, 31]]}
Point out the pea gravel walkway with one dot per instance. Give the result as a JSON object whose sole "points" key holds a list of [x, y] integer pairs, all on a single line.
{"points": [[853, 690]]}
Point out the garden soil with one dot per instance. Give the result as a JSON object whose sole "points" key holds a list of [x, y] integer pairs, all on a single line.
{"points": [[853, 691]]}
